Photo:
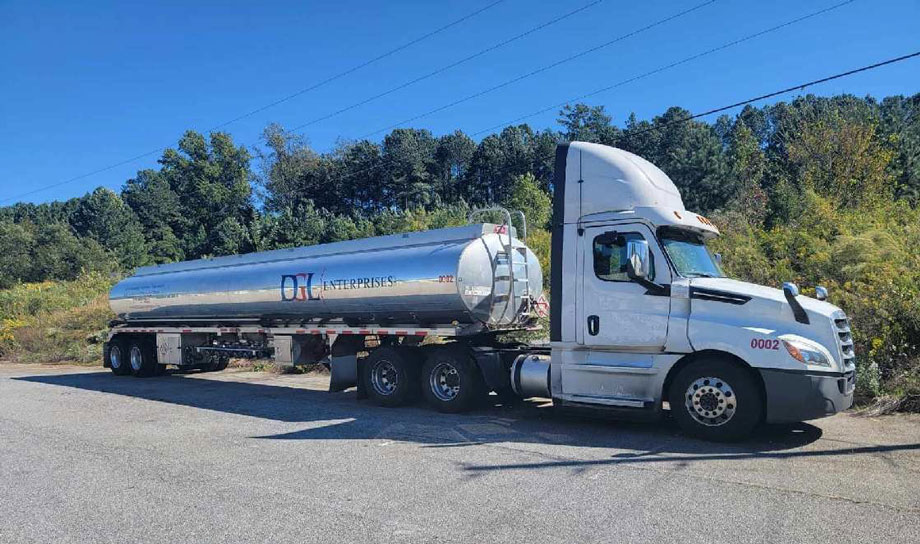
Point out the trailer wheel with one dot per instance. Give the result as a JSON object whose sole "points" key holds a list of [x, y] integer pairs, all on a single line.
{"points": [[451, 381], [218, 363], [116, 356], [716, 400], [222, 362], [142, 358], [390, 377]]}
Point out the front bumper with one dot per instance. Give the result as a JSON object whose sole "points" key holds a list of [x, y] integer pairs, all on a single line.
{"points": [[794, 395]]}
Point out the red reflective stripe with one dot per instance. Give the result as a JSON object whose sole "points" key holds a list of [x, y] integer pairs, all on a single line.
{"points": [[300, 331], [316, 331], [381, 331], [364, 332], [402, 333], [186, 330], [420, 333], [346, 332]]}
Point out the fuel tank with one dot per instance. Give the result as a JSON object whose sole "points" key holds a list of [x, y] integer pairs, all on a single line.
{"points": [[472, 274]]}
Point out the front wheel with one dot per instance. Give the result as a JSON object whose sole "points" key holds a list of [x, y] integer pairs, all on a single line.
{"points": [[716, 400]]}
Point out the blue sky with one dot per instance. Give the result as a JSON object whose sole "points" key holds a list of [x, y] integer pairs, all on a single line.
{"points": [[84, 85]]}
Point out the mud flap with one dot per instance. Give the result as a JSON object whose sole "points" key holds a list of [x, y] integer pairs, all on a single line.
{"points": [[344, 362]]}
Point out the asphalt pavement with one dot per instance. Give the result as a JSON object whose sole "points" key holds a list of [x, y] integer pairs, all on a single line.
{"points": [[254, 457]]}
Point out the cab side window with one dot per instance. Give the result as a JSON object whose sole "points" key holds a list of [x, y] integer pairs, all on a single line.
{"points": [[610, 255]]}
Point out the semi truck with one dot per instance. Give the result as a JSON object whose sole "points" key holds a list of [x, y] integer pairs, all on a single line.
{"points": [[642, 320]]}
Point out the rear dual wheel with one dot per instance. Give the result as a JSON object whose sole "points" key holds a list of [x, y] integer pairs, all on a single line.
{"points": [[116, 356], [451, 381], [390, 376], [132, 355], [447, 377], [218, 363], [142, 358]]}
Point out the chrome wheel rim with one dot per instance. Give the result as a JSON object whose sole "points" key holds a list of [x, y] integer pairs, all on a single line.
{"points": [[115, 357], [445, 381], [711, 401], [137, 360], [384, 378]]}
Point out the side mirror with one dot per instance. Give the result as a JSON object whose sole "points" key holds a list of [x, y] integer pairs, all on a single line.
{"points": [[718, 258], [637, 260], [821, 293], [791, 291]]}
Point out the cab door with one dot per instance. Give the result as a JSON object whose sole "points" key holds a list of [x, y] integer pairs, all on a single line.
{"points": [[617, 313]]}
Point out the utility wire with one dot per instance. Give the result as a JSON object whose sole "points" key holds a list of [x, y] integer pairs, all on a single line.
{"points": [[544, 68], [451, 65], [719, 109], [669, 66], [250, 113], [793, 88], [646, 74], [364, 64]]}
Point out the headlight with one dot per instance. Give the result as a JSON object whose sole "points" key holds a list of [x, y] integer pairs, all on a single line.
{"points": [[805, 354]]}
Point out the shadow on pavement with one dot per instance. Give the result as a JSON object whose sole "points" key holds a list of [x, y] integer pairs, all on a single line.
{"points": [[526, 422]]}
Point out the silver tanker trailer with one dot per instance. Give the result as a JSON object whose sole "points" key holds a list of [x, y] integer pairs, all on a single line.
{"points": [[642, 319]]}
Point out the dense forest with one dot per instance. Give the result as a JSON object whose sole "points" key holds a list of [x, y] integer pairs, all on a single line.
{"points": [[815, 190]]}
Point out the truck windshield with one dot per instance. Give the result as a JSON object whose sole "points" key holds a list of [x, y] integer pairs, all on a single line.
{"points": [[688, 251]]}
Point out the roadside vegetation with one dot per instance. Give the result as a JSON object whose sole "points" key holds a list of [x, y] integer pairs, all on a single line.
{"points": [[55, 320], [819, 191]]}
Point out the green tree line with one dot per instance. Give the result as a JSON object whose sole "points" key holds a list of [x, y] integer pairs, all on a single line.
{"points": [[817, 190]]}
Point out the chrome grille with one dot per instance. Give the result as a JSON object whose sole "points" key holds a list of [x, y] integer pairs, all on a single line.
{"points": [[845, 339]]}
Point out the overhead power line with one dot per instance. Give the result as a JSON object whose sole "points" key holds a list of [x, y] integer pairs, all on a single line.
{"points": [[450, 66], [649, 73], [786, 90], [364, 64], [272, 104], [544, 68], [669, 66]]}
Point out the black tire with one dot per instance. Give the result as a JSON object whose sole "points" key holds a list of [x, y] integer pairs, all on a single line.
{"points": [[716, 400], [451, 381], [390, 377], [142, 358], [217, 363], [222, 363], [115, 352]]}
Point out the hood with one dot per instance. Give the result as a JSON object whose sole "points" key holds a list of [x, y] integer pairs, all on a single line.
{"points": [[719, 320], [764, 293]]}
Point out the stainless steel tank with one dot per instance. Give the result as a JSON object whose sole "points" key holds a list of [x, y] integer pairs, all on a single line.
{"points": [[460, 274]]}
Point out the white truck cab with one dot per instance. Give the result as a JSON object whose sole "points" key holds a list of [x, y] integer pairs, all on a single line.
{"points": [[641, 313]]}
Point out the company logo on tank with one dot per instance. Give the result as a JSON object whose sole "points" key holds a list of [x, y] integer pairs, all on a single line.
{"points": [[300, 287]]}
